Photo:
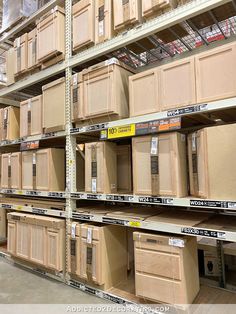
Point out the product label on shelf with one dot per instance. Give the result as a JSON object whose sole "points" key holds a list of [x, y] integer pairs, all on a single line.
{"points": [[156, 126], [203, 233], [90, 128], [213, 204], [56, 194], [9, 191], [120, 198], [136, 224], [29, 145], [6, 206], [51, 134], [121, 131], [39, 211], [94, 196], [82, 216], [33, 193], [155, 200], [187, 110], [114, 299], [78, 195], [176, 242], [114, 221]]}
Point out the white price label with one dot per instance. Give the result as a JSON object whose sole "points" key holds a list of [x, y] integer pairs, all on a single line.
{"points": [[73, 230], [154, 146], [29, 104], [176, 242], [75, 79], [34, 159], [111, 61], [89, 235], [194, 141], [101, 28], [94, 185]]}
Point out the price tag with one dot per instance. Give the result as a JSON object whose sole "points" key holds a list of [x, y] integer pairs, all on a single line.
{"points": [[121, 131], [176, 242], [89, 235], [136, 224]]}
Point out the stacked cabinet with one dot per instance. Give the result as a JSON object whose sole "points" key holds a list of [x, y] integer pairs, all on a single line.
{"points": [[9, 123], [11, 171], [151, 8], [39, 240], [21, 54], [103, 20], [127, 13]]}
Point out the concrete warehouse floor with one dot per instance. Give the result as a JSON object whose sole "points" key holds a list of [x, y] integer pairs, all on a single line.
{"points": [[18, 286]]}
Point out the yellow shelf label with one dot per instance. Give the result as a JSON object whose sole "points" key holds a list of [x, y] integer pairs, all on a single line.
{"points": [[121, 131], [19, 207], [20, 192], [135, 224]]}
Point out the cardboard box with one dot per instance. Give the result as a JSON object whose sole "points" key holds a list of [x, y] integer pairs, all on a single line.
{"points": [[166, 268], [10, 123], [100, 167], [126, 13], [29, 170], [124, 169], [54, 106], [150, 8], [74, 248], [21, 54], [104, 29], [218, 63], [211, 162], [11, 171], [51, 35], [159, 165], [83, 18], [10, 66], [31, 116], [32, 50]]}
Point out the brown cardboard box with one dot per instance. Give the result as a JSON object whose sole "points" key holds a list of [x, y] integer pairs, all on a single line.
{"points": [[101, 264], [21, 54], [166, 268], [54, 106], [10, 66], [83, 23], [104, 28], [100, 167], [31, 116], [51, 35], [159, 165], [215, 76], [10, 123], [11, 171], [211, 162], [126, 13]]}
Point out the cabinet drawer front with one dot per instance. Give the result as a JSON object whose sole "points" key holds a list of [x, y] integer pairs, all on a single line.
{"points": [[159, 289], [158, 263]]}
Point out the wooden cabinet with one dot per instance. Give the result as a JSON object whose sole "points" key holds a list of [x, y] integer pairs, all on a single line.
{"points": [[105, 90], [211, 162], [52, 161], [21, 54], [10, 123], [215, 76], [156, 7], [100, 264], [124, 169], [51, 35], [159, 165], [29, 170], [166, 268], [10, 66], [100, 167], [74, 248], [11, 171], [54, 106], [32, 49], [177, 84], [144, 93], [103, 20], [126, 13], [31, 117], [83, 23]]}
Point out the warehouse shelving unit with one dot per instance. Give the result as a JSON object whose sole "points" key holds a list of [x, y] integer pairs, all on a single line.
{"points": [[209, 226]]}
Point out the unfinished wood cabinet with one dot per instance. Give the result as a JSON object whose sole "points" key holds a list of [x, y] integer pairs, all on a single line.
{"points": [[144, 93], [151, 8], [10, 66], [166, 268], [37, 250], [54, 106], [31, 116], [104, 28], [11, 171], [32, 50], [215, 75], [211, 162], [21, 54], [126, 13], [29, 170], [124, 169], [22, 240], [177, 84], [51, 35], [74, 248], [105, 91], [11, 237], [5, 163], [54, 256], [83, 23], [100, 167], [100, 264], [10, 123], [52, 161], [77, 108], [159, 165]]}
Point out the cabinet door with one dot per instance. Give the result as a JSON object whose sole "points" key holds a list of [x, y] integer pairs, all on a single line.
{"points": [[54, 249], [16, 171], [46, 43], [99, 156], [37, 253], [24, 119], [36, 116], [98, 94], [22, 240], [11, 237], [144, 93], [27, 170], [141, 147], [83, 23], [4, 171], [42, 177]]}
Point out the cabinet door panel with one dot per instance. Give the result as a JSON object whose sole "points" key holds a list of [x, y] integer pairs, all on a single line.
{"points": [[16, 171], [11, 237], [24, 119], [38, 244], [27, 170], [42, 177], [4, 171], [36, 116], [54, 250], [22, 240]]}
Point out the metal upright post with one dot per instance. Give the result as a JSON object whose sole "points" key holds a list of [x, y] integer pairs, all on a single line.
{"points": [[221, 263]]}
